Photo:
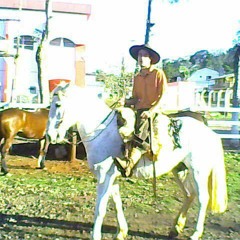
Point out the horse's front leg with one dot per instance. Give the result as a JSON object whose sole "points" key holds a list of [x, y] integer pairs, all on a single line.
{"points": [[5, 146], [104, 190], [122, 223], [44, 144]]}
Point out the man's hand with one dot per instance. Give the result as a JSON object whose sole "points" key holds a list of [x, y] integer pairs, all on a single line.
{"points": [[121, 101], [146, 114]]}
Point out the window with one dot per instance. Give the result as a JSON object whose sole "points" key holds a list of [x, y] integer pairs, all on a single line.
{"points": [[68, 43], [55, 42], [33, 90], [25, 41], [59, 42]]}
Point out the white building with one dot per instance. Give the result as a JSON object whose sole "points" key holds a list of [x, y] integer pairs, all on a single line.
{"points": [[203, 78], [21, 26]]}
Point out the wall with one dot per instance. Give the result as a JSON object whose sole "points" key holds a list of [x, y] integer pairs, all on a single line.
{"points": [[60, 60], [180, 95]]}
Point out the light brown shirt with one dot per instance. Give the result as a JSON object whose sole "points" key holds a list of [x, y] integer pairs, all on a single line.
{"points": [[149, 89]]}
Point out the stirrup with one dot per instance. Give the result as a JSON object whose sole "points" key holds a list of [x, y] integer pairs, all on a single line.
{"points": [[120, 168], [141, 144]]}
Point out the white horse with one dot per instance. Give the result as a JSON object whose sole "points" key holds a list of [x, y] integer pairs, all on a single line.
{"points": [[201, 152]]}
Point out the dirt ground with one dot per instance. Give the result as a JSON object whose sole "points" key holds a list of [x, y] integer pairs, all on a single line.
{"points": [[144, 225]]}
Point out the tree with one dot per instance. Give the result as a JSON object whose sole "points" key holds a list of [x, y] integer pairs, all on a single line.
{"points": [[41, 51], [200, 58], [235, 115], [236, 73], [185, 72], [117, 86]]}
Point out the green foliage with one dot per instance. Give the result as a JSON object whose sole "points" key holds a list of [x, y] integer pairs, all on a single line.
{"points": [[237, 38], [119, 86], [185, 71], [219, 61], [116, 86]]}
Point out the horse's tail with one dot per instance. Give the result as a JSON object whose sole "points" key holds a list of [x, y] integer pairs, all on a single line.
{"points": [[217, 186]]}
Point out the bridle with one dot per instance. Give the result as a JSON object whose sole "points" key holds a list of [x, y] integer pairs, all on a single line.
{"points": [[69, 135], [91, 133]]}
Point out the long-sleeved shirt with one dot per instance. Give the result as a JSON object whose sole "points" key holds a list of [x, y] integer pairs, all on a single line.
{"points": [[148, 89]]}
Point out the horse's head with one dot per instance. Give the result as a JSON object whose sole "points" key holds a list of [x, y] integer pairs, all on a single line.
{"points": [[61, 113]]}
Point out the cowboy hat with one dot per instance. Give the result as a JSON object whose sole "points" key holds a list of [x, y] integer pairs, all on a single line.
{"points": [[155, 57]]}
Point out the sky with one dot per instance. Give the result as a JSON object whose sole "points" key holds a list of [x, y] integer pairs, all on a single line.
{"points": [[180, 29]]}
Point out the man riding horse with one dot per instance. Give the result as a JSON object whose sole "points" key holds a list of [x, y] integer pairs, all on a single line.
{"points": [[149, 86]]}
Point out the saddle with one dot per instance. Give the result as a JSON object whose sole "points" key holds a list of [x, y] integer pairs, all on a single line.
{"points": [[150, 145], [174, 128]]}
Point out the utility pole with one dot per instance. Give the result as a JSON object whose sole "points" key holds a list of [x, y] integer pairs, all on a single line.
{"points": [[148, 24]]}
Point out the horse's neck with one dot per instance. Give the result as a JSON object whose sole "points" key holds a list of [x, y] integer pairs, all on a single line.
{"points": [[94, 118]]}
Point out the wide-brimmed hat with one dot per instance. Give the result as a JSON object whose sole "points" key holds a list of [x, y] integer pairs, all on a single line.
{"points": [[155, 57]]}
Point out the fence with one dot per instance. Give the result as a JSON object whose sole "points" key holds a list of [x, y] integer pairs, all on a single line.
{"points": [[219, 101], [183, 97], [211, 103]]}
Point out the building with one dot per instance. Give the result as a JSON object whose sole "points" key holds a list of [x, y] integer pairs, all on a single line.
{"points": [[223, 82], [22, 24], [203, 78]]}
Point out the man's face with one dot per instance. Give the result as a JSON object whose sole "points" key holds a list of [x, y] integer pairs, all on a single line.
{"points": [[144, 59]]}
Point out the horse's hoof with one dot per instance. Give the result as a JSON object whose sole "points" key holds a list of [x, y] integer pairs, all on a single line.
{"points": [[4, 173], [41, 168], [194, 237], [7, 174], [173, 234]]}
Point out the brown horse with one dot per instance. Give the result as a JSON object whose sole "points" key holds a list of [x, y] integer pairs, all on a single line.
{"points": [[14, 121]]}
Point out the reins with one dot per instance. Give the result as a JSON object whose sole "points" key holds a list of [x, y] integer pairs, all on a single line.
{"points": [[102, 122], [89, 134]]}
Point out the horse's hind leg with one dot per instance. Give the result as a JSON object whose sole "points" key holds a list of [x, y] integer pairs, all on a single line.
{"points": [[122, 223], [2, 157], [182, 178], [203, 199]]}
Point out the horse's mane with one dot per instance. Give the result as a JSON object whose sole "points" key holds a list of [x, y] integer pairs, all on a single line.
{"points": [[76, 98]]}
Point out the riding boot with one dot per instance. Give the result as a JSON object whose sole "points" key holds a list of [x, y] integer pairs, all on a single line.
{"points": [[127, 164]]}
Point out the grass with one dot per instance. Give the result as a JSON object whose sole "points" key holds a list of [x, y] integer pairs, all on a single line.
{"points": [[71, 198]]}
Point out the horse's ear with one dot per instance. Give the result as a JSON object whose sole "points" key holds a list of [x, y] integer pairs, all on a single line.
{"points": [[60, 95], [65, 86]]}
